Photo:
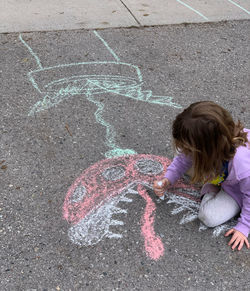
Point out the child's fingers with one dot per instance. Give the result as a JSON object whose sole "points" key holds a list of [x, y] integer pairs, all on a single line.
{"points": [[229, 232], [237, 241], [232, 240], [241, 245], [159, 192], [159, 184], [156, 187], [247, 243]]}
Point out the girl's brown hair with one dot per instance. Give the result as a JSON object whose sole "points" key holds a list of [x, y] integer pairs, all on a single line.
{"points": [[207, 132]]}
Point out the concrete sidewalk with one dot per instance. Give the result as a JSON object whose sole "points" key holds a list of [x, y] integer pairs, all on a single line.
{"points": [[47, 15]]}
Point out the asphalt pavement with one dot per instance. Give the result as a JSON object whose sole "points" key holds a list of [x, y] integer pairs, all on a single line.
{"points": [[85, 127]]}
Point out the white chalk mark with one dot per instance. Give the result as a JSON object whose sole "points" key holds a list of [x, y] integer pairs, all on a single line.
{"points": [[224, 227], [184, 203], [126, 199], [191, 8], [116, 222], [158, 200], [218, 229], [78, 194], [95, 226], [114, 173], [114, 235], [191, 192], [118, 210], [192, 208], [178, 210], [188, 218], [202, 227], [131, 191], [149, 166], [239, 6]]}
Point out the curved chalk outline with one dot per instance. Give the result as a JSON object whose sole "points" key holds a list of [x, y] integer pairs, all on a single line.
{"points": [[134, 92]]}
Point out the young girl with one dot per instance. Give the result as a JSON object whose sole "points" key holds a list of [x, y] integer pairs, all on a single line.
{"points": [[217, 149]]}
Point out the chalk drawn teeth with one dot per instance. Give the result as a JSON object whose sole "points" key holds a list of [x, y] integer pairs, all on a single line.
{"points": [[114, 235], [108, 183], [183, 202], [125, 199], [202, 227], [94, 197], [131, 191], [178, 210], [224, 227], [116, 222], [192, 209], [118, 210], [188, 218]]}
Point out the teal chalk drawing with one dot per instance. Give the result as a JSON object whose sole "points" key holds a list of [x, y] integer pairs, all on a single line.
{"points": [[31, 52], [191, 8], [239, 6], [107, 46], [90, 80]]}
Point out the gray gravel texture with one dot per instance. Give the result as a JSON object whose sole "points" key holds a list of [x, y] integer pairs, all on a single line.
{"points": [[42, 155]]}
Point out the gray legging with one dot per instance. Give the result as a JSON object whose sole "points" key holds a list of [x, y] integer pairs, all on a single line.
{"points": [[216, 209]]}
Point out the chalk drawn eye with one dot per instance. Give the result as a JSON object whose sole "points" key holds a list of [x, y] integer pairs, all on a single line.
{"points": [[149, 167], [114, 173], [78, 194]]}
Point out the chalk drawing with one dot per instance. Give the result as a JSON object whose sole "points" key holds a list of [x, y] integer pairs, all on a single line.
{"points": [[90, 80], [234, 3], [95, 197], [191, 208], [191, 8], [203, 16]]}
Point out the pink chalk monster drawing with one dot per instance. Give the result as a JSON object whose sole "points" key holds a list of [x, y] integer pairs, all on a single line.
{"points": [[94, 197]]}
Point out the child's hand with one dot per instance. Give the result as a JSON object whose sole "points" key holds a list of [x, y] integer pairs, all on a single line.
{"points": [[238, 238], [160, 186]]}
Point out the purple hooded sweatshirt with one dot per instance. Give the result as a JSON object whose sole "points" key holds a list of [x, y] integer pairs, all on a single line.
{"points": [[237, 183]]}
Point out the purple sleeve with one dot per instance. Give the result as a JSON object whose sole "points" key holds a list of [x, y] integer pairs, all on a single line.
{"points": [[243, 224], [178, 167]]}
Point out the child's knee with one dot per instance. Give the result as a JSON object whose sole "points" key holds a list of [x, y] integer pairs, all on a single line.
{"points": [[206, 217]]}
